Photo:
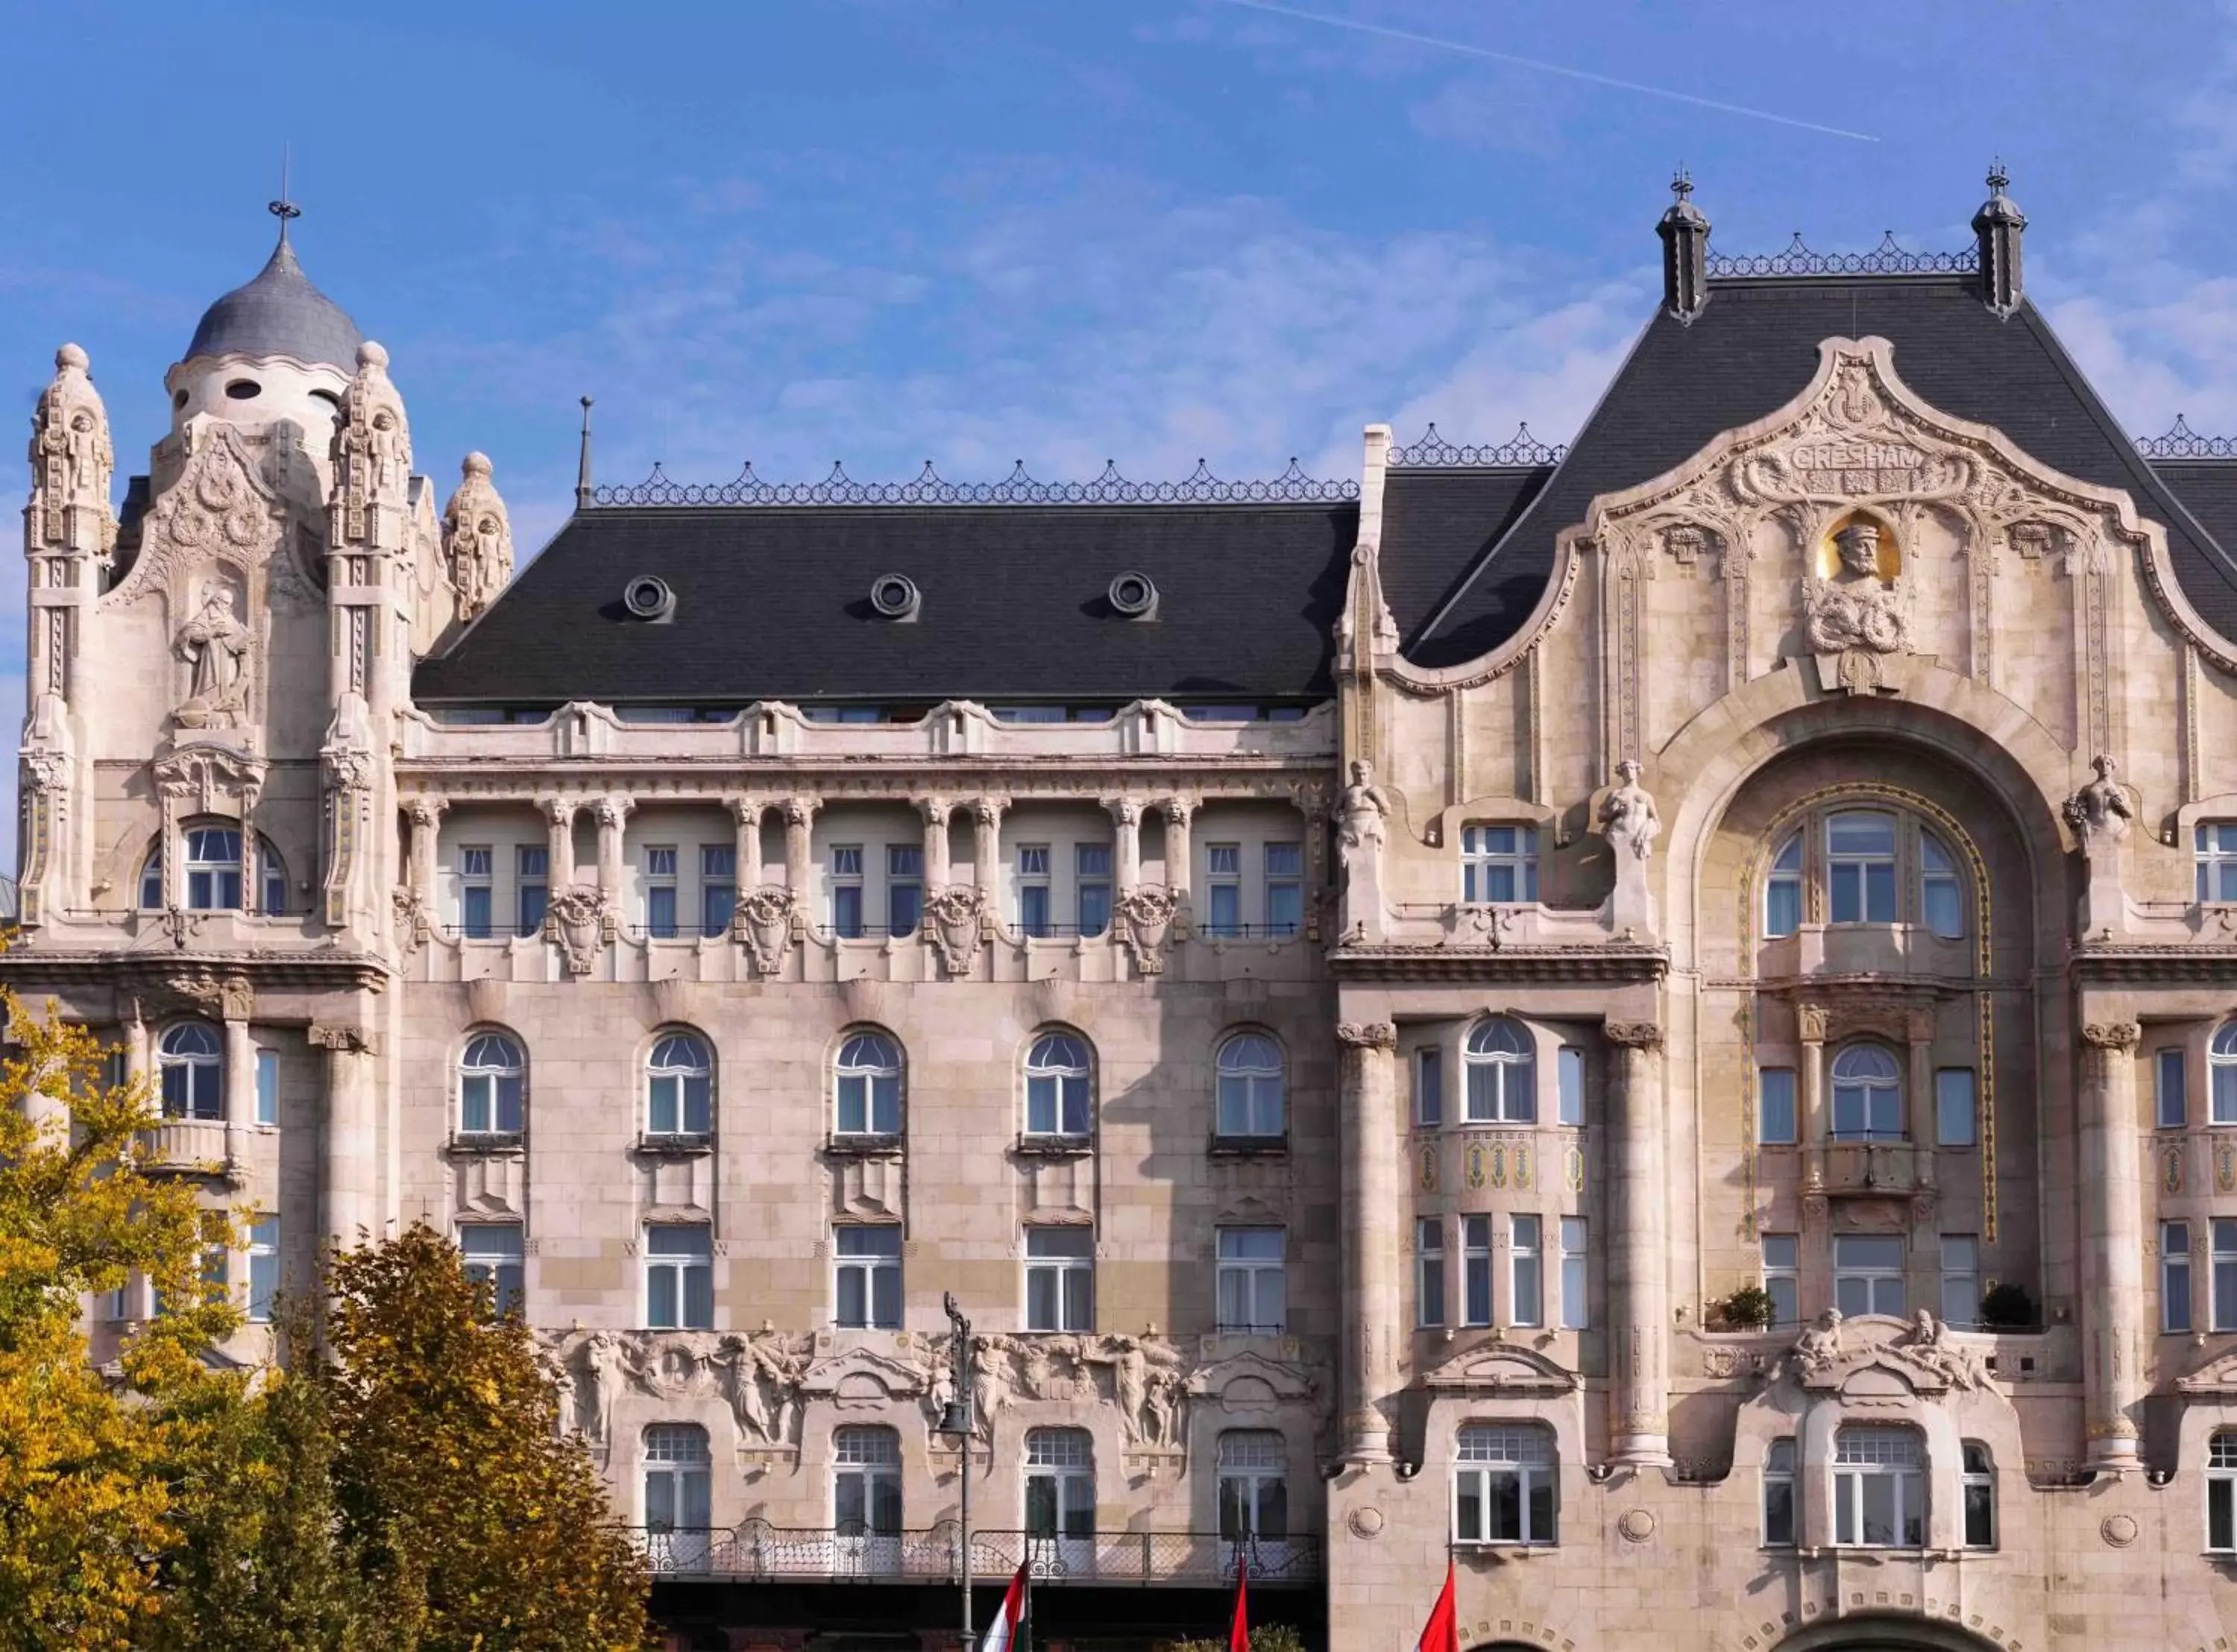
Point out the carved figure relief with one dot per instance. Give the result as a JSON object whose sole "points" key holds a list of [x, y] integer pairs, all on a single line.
{"points": [[2099, 813], [955, 911], [371, 454], [214, 643], [763, 920], [73, 464], [1146, 921], [1361, 810], [477, 538], [1854, 614], [575, 919]]}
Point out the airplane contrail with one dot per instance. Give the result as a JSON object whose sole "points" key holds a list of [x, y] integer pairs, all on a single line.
{"points": [[1585, 75]]}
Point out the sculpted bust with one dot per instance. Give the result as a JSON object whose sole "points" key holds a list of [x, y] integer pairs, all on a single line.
{"points": [[1628, 818], [1360, 812], [2100, 808], [1854, 614]]}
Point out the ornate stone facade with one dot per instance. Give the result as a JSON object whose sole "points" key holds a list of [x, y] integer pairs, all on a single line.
{"points": [[1406, 1092]]}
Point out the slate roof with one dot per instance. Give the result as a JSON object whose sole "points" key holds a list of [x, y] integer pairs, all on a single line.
{"points": [[773, 602], [278, 313], [1752, 350], [1436, 526]]}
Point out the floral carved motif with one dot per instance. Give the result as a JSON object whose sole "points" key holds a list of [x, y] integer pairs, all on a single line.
{"points": [[1146, 921], [575, 920], [762, 921], [954, 912]]}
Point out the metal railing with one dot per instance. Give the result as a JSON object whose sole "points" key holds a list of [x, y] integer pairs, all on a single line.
{"points": [[757, 1551], [1293, 486]]}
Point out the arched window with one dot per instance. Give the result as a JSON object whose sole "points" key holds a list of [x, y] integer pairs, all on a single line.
{"points": [[2222, 1074], [1860, 866], [868, 1088], [1060, 1483], [679, 1087], [1502, 1073], [151, 880], [1504, 1489], [1254, 1485], [1782, 890], [1250, 1085], [211, 864], [1867, 1095], [1941, 894], [193, 1070], [866, 1481], [1057, 1086], [1879, 1489], [490, 1075], [678, 1478]]}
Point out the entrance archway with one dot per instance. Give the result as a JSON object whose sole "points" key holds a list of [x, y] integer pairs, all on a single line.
{"points": [[1885, 1633]]}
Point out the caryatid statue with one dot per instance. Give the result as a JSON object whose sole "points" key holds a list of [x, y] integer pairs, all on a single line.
{"points": [[1628, 818]]}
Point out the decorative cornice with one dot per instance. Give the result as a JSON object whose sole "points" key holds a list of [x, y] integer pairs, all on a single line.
{"points": [[2111, 1035], [1501, 965], [1634, 1035]]}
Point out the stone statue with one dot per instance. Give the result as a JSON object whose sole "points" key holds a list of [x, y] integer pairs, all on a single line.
{"points": [[215, 647], [1820, 1346], [477, 538], [1854, 615], [73, 463], [1929, 1347], [1361, 810], [372, 455], [564, 1399], [1130, 1382], [1628, 818], [602, 1360], [990, 1379], [2100, 810]]}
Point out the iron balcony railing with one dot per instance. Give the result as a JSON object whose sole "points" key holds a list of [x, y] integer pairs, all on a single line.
{"points": [[758, 1551]]}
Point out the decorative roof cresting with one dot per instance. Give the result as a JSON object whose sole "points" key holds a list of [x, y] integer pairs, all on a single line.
{"points": [[1432, 452], [928, 487], [1886, 259], [2178, 441]]}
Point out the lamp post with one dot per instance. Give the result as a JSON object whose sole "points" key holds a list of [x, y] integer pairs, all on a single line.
{"points": [[957, 1420]]}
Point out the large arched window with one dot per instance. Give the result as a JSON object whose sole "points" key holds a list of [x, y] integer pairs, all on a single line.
{"points": [[1502, 1073], [2222, 1074], [679, 1087], [193, 1070], [1505, 1487], [1059, 1086], [1782, 890], [1867, 1095], [489, 1086], [1251, 1087], [210, 863], [867, 1086]]}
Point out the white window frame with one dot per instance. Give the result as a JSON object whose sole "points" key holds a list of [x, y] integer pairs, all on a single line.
{"points": [[1478, 1305], [1569, 1086], [1251, 1103], [1251, 1280], [1222, 864], [1090, 868], [1859, 866], [196, 1051], [476, 875], [2221, 1492], [1065, 1459], [1059, 1089], [2222, 1235], [1956, 1108], [689, 1273], [1864, 1455], [904, 882], [660, 879], [1487, 1453], [1960, 1280], [1870, 1277], [503, 1264], [531, 870], [2221, 1073], [263, 1250], [2178, 1313], [869, 1066], [195, 863], [1939, 874], [869, 1455], [1781, 1464], [1429, 1274], [1575, 1236], [1977, 1483], [1526, 1269], [873, 1273], [480, 1060], [267, 1087], [675, 1456], [1429, 1086], [679, 1086], [1498, 855], [1868, 1094], [1777, 1107], [1782, 1276], [718, 886], [1784, 877], [1058, 1278], [1254, 1472], [1499, 1065], [2215, 844], [845, 860], [1033, 880], [2171, 1088], [1284, 864]]}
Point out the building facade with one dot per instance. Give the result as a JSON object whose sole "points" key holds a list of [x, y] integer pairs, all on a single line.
{"points": [[1657, 1020]]}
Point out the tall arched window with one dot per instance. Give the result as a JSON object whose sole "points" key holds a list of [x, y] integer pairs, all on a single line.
{"points": [[489, 1086], [868, 1087], [1502, 1073], [1782, 890], [1940, 892], [1860, 866], [679, 1087], [2222, 1074], [1059, 1086], [1251, 1087], [210, 861], [1867, 1095], [194, 1074]]}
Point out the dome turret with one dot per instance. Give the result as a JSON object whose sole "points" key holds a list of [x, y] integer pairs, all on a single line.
{"points": [[279, 313]]}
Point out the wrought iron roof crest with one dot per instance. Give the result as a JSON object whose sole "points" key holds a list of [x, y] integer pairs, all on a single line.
{"points": [[1886, 259], [1432, 452], [2178, 441], [1293, 486]]}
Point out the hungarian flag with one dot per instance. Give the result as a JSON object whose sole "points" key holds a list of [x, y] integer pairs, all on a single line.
{"points": [[1442, 1632], [1002, 1634], [1238, 1637]]}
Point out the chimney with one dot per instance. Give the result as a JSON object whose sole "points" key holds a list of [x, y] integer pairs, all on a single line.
{"points": [[1997, 227], [1685, 253]]}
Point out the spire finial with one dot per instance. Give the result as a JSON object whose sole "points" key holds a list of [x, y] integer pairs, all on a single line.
{"points": [[583, 490], [1998, 180], [1681, 181], [284, 209]]}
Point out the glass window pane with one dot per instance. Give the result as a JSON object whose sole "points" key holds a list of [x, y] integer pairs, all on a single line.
{"points": [[1572, 1080], [1776, 1114], [2221, 1514], [1783, 907], [1953, 1105]]}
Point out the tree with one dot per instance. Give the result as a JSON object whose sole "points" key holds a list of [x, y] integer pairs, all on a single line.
{"points": [[455, 1482], [86, 1504], [1264, 1637]]}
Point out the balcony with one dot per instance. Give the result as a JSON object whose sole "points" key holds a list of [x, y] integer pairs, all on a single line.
{"points": [[1888, 1166], [759, 1552], [188, 1147]]}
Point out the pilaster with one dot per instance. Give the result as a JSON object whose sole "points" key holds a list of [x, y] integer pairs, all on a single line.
{"points": [[1368, 1126], [2113, 1240], [1639, 1287]]}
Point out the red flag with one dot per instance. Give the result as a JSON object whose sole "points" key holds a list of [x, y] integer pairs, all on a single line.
{"points": [[1442, 1632], [1002, 1634], [1238, 1637]]}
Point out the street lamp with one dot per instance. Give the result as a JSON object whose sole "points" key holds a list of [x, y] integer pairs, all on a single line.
{"points": [[957, 1420]]}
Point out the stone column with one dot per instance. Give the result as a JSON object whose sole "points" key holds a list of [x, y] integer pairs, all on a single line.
{"points": [[138, 1055], [1809, 1021], [419, 917], [936, 812], [1371, 1218], [613, 816], [559, 812], [2112, 1243], [1179, 812], [1918, 1025], [1126, 828], [1638, 1253], [237, 1002], [349, 1177], [799, 850], [747, 811], [986, 846]]}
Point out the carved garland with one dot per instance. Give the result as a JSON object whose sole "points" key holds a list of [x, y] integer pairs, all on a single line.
{"points": [[1751, 876]]}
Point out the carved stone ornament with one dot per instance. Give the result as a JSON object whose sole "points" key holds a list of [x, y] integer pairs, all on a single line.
{"points": [[1361, 810], [763, 920], [346, 758], [2112, 1035], [1853, 617], [415, 924], [200, 776], [354, 1041], [1502, 1370], [1634, 1035], [477, 538], [1367, 1034], [2099, 813], [1876, 1358], [73, 465], [1628, 817], [575, 920], [228, 997], [216, 643], [954, 912], [1810, 1020], [1145, 915], [371, 454], [221, 509]]}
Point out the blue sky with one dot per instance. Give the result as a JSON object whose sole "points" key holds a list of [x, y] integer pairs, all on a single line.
{"points": [[986, 230]]}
